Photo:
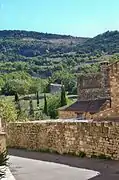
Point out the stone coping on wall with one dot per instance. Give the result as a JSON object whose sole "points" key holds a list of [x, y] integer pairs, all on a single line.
{"points": [[70, 121], [55, 121]]}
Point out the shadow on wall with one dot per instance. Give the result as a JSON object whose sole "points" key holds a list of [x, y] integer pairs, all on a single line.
{"points": [[108, 168]]}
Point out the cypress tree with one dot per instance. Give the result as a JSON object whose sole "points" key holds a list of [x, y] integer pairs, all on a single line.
{"points": [[18, 107], [31, 110], [45, 110], [17, 104], [16, 98], [37, 96], [63, 96]]}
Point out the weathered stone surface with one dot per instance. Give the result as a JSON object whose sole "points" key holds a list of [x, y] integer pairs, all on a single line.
{"points": [[90, 87], [66, 137], [113, 112], [2, 142], [67, 114], [94, 85]]}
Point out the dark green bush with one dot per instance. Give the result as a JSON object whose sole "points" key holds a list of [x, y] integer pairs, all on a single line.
{"points": [[3, 158], [82, 154], [3, 162]]}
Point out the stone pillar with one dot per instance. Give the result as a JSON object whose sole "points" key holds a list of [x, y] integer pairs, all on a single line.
{"points": [[104, 69], [114, 84], [105, 73]]}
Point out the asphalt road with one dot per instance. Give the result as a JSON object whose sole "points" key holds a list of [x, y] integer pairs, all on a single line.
{"points": [[29, 169], [26, 165]]}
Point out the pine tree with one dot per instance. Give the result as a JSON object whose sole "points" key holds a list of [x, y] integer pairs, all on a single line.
{"points": [[31, 110], [16, 98], [45, 111], [37, 96], [17, 105], [63, 96]]}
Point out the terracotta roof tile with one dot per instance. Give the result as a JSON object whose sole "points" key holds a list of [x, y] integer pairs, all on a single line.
{"points": [[91, 106]]}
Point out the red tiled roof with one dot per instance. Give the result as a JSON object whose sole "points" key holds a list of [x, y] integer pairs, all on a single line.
{"points": [[91, 106]]}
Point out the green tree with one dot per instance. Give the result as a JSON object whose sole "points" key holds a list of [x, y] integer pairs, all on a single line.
{"points": [[2, 82], [37, 84], [34, 87], [31, 110], [37, 97], [66, 78], [15, 85], [63, 96], [54, 102], [47, 87], [16, 98], [18, 108], [8, 111], [45, 110]]}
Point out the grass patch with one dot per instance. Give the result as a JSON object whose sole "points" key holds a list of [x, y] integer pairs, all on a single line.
{"points": [[82, 154], [46, 150], [103, 156], [100, 156]]}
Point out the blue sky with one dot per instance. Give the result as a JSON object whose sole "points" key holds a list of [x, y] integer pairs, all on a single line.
{"points": [[74, 17]]}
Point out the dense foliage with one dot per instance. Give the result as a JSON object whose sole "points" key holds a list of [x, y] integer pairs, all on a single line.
{"points": [[63, 97], [30, 61], [42, 54], [21, 45], [21, 83], [45, 110], [107, 42], [45, 56], [54, 102], [7, 110], [30, 44]]}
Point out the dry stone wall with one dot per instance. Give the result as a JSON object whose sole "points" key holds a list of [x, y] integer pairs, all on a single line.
{"points": [[92, 139], [93, 86], [112, 113], [114, 84], [67, 114]]}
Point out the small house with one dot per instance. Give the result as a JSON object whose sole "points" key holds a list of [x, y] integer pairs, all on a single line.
{"points": [[93, 95], [55, 88]]}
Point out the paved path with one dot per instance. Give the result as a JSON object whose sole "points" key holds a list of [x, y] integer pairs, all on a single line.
{"points": [[27, 165], [29, 169], [8, 175]]}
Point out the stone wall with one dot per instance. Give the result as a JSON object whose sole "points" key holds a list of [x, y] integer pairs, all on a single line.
{"points": [[92, 139], [94, 85], [113, 111], [66, 114], [114, 84]]}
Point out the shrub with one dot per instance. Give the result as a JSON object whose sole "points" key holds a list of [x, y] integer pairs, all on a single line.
{"points": [[3, 162], [100, 156], [7, 110], [63, 96], [45, 111], [39, 115], [53, 105], [3, 158], [82, 154]]}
